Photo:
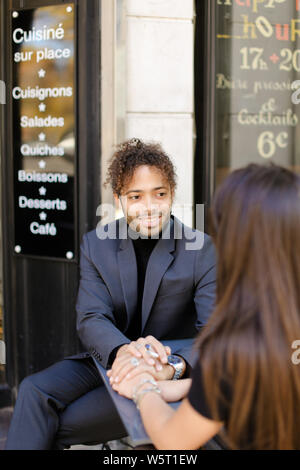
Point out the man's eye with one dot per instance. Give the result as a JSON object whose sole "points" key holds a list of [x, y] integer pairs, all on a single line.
{"points": [[134, 198], [162, 194]]}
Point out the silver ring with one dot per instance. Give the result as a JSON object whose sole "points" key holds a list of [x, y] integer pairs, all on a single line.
{"points": [[150, 351], [135, 362], [153, 354]]}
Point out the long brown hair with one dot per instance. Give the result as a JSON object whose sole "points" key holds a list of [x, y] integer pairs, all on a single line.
{"points": [[247, 341]]}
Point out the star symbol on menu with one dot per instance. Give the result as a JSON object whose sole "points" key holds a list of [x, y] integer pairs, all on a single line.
{"points": [[42, 107], [42, 73], [42, 137], [42, 191], [43, 215], [274, 58], [42, 164]]}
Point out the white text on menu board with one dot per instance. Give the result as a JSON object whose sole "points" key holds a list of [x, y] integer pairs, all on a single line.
{"points": [[21, 36], [283, 62], [45, 34]]}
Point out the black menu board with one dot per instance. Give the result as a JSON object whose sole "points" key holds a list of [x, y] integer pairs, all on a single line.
{"points": [[44, 131], [257, 59]]}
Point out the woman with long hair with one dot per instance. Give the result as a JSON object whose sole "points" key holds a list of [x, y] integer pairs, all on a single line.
{"points": [[244, 386]]}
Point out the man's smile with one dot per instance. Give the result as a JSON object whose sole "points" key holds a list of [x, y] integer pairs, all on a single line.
{"points": [[150, 221]]}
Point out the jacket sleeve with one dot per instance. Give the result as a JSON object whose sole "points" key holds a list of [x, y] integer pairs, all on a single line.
{"points": [[205, 282], [204, 295], [96, 324]]}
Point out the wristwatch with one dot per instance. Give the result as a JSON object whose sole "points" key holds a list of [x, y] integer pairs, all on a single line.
{"points": [[178, 365]]}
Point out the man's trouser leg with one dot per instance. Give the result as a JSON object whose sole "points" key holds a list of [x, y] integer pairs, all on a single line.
{"points": [[63, 405]]}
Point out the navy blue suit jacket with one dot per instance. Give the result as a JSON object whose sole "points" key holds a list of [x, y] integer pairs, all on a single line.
{"points": [[179, 290]]}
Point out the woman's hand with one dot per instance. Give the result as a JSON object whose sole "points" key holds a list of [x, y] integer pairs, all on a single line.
{"points": [[127, 386], [170, 390], [134, 359], [174, 390]]}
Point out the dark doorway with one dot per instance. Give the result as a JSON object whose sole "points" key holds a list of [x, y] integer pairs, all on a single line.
{"points": [[39, 292]]}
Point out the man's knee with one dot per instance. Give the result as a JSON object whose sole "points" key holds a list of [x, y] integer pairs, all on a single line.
{"points": [[30, 385], [27, 385]]}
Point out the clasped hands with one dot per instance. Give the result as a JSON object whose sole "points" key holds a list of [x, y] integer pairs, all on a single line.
{"points": [[137, 361]]}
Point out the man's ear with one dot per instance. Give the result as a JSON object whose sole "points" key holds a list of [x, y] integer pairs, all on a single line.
{"points": [[117, 201], [172, 196], [118, 204]]}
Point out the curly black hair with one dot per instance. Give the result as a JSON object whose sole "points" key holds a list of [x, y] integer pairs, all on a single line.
{"points": [[132, 154]]}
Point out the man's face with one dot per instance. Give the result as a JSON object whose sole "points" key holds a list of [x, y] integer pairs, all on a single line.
{"points": [[146, 201]]}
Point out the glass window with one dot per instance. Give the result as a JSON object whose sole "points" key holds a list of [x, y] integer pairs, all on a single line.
{"points": [[257, 94]]}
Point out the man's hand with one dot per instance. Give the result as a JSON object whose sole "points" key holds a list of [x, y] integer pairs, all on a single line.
{"points": [[156, 366], [124, 368], [138, 349]]}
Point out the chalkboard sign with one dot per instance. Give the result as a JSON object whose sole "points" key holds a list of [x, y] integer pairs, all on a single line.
{"points": [[44, 130], [257, 65]]}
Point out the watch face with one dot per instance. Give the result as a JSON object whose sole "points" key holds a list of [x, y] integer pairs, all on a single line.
{"points": [[174, 360]]}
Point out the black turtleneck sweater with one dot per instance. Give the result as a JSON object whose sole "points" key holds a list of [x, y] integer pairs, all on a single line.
{"points": [[143, 248]]}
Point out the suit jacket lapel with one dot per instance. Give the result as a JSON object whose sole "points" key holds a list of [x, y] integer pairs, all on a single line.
{"points": [[158, 263], [128, 275]]}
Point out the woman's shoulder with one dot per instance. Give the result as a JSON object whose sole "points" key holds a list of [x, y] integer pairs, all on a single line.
{"points": [[199, 392]]}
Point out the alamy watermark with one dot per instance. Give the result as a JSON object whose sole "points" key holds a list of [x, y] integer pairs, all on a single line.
{"points": [[194, 238], [2, 92], [2, 353], [296, 95], [296, 354]]}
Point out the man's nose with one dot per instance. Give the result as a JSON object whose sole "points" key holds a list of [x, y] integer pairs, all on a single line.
{"points": [[151, 206]]}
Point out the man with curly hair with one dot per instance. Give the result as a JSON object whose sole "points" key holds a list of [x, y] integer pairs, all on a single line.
{"points": [[133, 159], [141, 297]]}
